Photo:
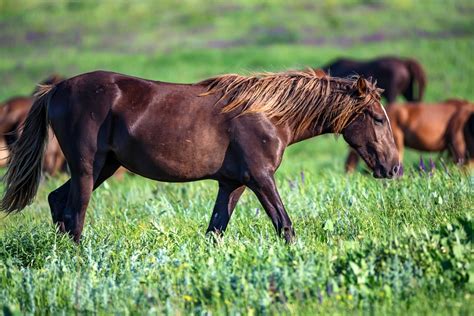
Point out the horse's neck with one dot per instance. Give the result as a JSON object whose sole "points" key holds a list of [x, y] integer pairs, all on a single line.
{"points": [[313, 131], [320, 126]]}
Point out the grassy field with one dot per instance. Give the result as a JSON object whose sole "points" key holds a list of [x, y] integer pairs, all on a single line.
{"points": [[363, 245]]}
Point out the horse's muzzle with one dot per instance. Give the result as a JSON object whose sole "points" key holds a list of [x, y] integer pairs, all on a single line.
{"points": [[386, 172]]}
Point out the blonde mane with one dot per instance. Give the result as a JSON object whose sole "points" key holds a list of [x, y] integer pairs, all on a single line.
{"points": [[297, 98]]}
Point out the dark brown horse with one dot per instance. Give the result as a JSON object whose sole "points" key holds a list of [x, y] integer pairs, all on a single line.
{"points": [[233, 129], [395, 75], [431, 127], [13, 114]]}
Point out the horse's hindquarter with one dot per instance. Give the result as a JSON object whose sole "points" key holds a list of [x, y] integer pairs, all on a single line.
{"points": [[167, 131]]}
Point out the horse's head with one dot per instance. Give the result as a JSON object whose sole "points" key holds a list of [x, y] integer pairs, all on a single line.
{"points": [[370, 133]]}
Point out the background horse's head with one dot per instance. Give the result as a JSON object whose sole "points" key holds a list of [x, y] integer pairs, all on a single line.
{"points": [[370, 133]]}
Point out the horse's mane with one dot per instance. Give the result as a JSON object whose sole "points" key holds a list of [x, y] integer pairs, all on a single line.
{"points": [[298, 98]]}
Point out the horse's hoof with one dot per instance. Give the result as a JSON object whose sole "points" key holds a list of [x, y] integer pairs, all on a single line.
{"points": [[60, 226], [289, 235], [215, 235]]}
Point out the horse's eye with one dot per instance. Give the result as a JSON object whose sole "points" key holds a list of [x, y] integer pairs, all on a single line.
{"points": [[378, 121]]}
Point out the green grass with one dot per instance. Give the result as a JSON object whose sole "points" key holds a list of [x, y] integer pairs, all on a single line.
{"points": [[363, 245]]}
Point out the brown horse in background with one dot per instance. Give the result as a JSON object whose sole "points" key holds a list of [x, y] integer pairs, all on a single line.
{"points": [[397, 76], [431, 127], [461, 132], [233, 129], [13, 114]]}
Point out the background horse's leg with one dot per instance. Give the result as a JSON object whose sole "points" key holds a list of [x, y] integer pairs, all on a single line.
{"points": [[265, 189], [227, 198], [58, 163], [352, 160], [4, 152], [457, 147], [391, 93], [398, 137]]}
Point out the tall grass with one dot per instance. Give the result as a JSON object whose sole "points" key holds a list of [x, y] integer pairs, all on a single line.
{"points": [[361, 243]]}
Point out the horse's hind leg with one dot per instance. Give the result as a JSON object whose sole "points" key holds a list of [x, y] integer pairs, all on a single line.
{"points": [[80, 191], [59, 197], [57, 202], [391, 93]]}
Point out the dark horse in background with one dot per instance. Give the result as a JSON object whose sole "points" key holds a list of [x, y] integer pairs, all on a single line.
{"points": [[436, 127], [13, 113], [232, 129], [396, 76]]}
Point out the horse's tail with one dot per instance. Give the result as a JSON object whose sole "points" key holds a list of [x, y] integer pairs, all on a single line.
{"points": [[24, 170], [418, 77]]}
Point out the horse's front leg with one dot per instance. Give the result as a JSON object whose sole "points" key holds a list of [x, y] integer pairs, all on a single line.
{"points": [[264, 187], [259, 149], [351, 161], [227, 198], [457, 148]]}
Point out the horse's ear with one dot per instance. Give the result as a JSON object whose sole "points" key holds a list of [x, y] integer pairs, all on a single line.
{"points": [[362, 86], [319, 73]]}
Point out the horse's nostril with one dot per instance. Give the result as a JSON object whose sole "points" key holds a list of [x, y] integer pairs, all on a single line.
{"points": [[395, 169]]}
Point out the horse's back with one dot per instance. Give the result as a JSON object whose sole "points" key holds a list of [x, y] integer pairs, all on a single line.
{"points": [[390, 72], [346, 66], [160, 130]]}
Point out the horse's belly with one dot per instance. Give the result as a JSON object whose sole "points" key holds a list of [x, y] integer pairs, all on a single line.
{"points": [[176, 159], [425, 139], [172, 168]]}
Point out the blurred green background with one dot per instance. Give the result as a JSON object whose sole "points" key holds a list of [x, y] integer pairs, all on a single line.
{"points": [[189, 40]]}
